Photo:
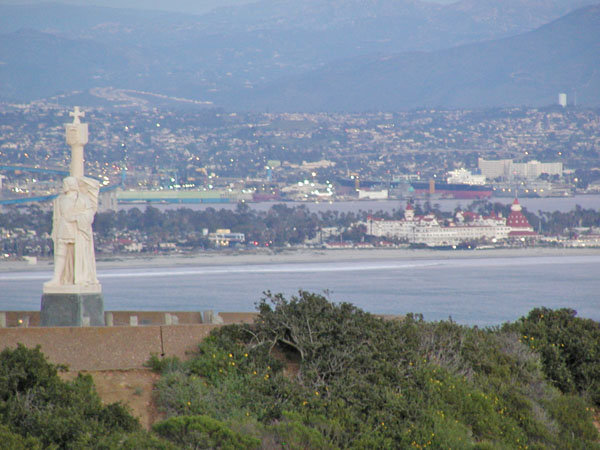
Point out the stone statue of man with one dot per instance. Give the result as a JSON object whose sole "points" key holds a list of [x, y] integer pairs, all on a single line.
{"points": [[74, 210], [73, 297]]}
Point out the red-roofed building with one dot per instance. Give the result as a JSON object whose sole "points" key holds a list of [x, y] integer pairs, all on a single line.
{"points": [[518, 223]]}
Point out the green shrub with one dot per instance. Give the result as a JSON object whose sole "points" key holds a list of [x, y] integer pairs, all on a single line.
{"points": [[202, 432], [569, 348], [163, 364], [13, 441], [312, 374], [294, 435], [572, 416], [23, 369], [36, 404], [134, 441]]}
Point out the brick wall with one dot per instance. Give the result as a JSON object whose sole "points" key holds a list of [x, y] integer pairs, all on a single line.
{"points": [[106, 348]]}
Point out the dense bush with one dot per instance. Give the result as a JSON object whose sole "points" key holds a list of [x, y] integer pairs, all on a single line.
{"points": [[39, 410], [569, 348], [14, 441], [203, 432], [313, 374]]}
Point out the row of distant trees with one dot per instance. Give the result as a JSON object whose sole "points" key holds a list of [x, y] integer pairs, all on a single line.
{"points": [[280, 225]]}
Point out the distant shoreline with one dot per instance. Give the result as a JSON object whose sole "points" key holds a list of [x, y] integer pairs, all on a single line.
{"points": [[282, 256]]}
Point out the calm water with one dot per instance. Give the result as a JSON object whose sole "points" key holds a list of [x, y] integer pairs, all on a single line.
{"points": [[562, 204], [484, 291]]}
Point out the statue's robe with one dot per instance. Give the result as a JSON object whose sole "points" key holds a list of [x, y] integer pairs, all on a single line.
{"points": [[72, 225]]}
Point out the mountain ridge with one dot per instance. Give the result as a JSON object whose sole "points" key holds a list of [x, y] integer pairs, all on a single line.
{"points": [[207, 58], [504, 72]]}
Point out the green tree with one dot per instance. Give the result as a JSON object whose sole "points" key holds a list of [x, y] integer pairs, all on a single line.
{"points": [[40, 407]]}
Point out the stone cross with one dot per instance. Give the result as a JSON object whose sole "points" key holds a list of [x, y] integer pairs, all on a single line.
{"points": [[77, 137], [76, 114]]}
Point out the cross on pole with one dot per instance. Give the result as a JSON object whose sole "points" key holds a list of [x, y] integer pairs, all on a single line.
{"points": [[76, 114]]}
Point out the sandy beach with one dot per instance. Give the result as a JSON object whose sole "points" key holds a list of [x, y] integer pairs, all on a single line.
{"points": [[277, 256]]}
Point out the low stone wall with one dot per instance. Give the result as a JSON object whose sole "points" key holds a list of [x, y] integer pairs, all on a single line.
{"points": [[238, 317], [107, 348], [116, 347], [123, 318], [20, 319]]}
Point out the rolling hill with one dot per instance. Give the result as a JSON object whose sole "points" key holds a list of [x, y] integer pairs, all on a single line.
{"points": [[528, 69]]}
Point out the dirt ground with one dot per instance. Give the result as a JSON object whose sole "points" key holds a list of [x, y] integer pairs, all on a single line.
{"points": [[132, 387]]}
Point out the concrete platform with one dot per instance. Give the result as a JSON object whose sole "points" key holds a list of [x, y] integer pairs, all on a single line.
{"points": [[72, 310]]}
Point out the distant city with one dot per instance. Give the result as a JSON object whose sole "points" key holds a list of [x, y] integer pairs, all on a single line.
{"points": [[212, 155], [215, 157]]}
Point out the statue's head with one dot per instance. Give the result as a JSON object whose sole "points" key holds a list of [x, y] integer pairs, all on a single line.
{"points": [[70, 184]]}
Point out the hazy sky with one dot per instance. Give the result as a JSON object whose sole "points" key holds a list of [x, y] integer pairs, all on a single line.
{"points": [[187, 6]]}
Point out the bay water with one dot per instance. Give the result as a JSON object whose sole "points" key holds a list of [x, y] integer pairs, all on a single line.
{"points": [[478, 291]]}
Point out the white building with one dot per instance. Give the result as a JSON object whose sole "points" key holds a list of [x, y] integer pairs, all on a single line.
{"points": [[224, 237], [467, 227], [506, 168], [464, 176], [364, 194], [500, 168], [562, 99]]}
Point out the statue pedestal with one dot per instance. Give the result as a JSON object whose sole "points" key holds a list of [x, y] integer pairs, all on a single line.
{"points": [[72, 306]]}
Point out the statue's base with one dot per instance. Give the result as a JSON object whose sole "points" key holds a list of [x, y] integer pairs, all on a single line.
{"points": [[72, 310]]}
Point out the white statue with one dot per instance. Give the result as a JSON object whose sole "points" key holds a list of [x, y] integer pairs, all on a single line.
{"points": [[74, 210]]}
